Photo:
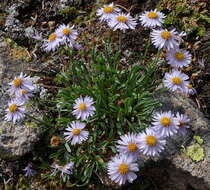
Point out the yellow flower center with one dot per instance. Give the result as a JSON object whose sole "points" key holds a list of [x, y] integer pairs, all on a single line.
{"points": [[122, 19], [17, 82], [132, 147], [66, 31], [165, 121], [179, 56], [76, 131], [189, 86], [151, 140], [123, 169], [165, 35], [23, 92], [52, 37], [152, 15], [181, 124], [13, 108], [177, 80], [82, 107], [108, 9]]}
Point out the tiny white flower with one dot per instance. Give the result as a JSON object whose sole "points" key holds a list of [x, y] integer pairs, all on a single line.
{"points": [[165, 39], [121, 168], [21, 82], [52, 43], [107, 11], [165, 123], [152, 18], [75, 133], [67, 34], [189, 89], [15, 111], [128, 145], [175, 81], [83, 107], [178, 58], [183, 123], [151, 143], [122, 22]]}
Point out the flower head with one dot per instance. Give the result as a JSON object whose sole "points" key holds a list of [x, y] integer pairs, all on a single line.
{"points": [[75, 133], [52, 42], [24, 95], [127, 145], [152, 18], [15, 111], [67, 34], [151, 143], [121, 168], [122, 22], [19, 83], [29, 171], [178, 58], [165, 123], [165, 39], [189, 89], [66, 169], [107, 12], [176, 81], [83, 107], [183, 123]]}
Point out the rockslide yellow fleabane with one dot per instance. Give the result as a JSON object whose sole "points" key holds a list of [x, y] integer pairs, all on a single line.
{"points": [[151, 143], [75, 134], [121, 168], [183, 123], [165, 124], [178, 58], [52, 43], [83, 107], [152, 18], [107, 11]]}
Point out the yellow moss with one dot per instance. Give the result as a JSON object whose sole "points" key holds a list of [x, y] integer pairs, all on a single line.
{"points": [[195, 152], [198, 139], [30, 125]]}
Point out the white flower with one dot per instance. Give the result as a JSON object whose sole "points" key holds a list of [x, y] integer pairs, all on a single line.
{"points": [[21, 82], [83, 107], [15, 111], [67, 34], [75, 133], [151, 143], [183, 125], [178, 58], [152, 18], [165, 39], [127, 145], [122, 21], [165, 123], [52, 42], [189, 89], [24, 95], [121, 168], [176, 81], [107, 11], [66, 169]]}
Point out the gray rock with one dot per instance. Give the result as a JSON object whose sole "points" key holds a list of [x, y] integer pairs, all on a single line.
{"points": [[15, 139]]}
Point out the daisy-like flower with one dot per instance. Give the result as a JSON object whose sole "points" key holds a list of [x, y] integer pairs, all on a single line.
{"points": [[152, 18], [24, 95], [107, 12], [52, 42], [151, 143], [183, 123], [176, 81], [178, 58], [83, 107], [66, 169], [67, 34], [122, 21], [21, 82], [15, 111], [121, 168], [189, 89], [165, 124], [29, 171], [75, 133], [127, 145], [165, 39]]}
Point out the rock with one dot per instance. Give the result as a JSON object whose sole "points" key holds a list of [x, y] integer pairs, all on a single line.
{"points": [[15, 139]]}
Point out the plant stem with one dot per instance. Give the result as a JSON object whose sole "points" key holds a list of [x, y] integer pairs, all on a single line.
{"points": [[38, 120]]}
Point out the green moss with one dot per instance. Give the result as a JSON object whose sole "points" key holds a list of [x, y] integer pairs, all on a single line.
{"points": [[195, 152], [198, 139], [30, 125]]}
